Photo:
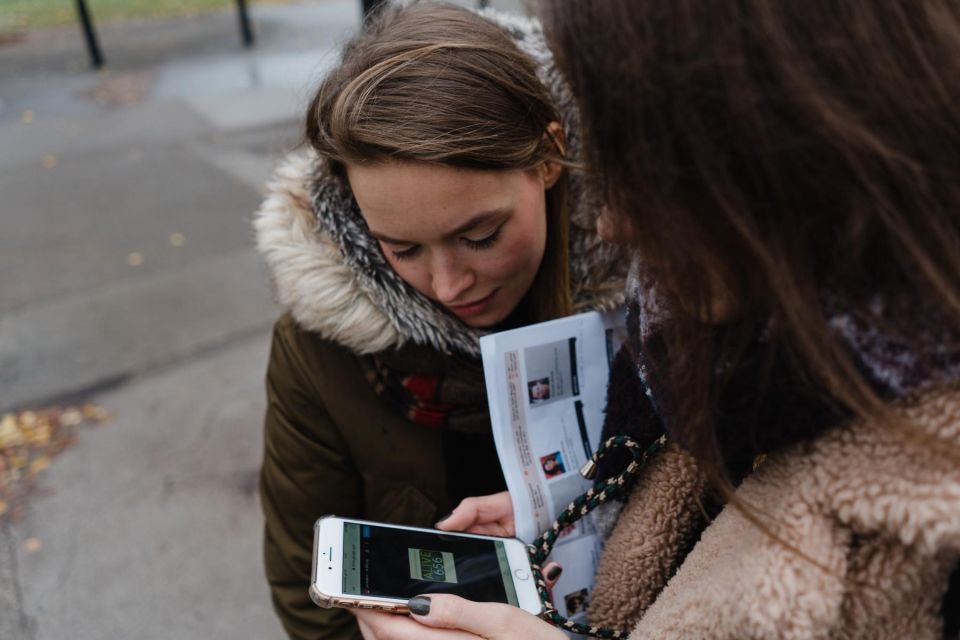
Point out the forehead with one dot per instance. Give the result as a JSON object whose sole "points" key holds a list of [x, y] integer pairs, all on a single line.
{"points": [[400, 198]]}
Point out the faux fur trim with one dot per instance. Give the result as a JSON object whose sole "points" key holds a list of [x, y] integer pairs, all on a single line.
{"points": [[330, 273], [309, 275]]}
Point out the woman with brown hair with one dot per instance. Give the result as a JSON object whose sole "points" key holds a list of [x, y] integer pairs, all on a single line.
{"points": [[793, 168], [432, 206]]}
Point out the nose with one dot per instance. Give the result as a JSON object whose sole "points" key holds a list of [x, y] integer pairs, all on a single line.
{"points": [[451, 278]]}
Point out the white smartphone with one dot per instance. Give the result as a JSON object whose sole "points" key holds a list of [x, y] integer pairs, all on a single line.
{"points": [[370, 565]]}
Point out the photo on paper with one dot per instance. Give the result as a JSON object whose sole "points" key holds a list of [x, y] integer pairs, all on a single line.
{"points": [[552, 465], [551, 371], [576, 602], [539, 390]]}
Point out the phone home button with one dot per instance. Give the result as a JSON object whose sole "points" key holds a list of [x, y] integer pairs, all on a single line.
{"points": [[521, 574]]}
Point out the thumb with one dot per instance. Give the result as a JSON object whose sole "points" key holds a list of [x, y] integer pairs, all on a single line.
{"points": [[479, 514], [460, 519]]}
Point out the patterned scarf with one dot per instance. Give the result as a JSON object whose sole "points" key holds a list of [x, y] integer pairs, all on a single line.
{"points": [[431, 389], [896, 363]]}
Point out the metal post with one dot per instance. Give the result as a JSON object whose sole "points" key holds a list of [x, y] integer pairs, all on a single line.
{"points": [[90, 34], [483, 4], [246, 30]]}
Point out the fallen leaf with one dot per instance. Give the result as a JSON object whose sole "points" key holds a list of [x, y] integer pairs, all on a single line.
{"points": [[27, 117], [39, 464], [32, 545], [29, 441], [10, 435], [71, 417], [49, 161], [135, 259], [18, 461], [95, 413], [42, 435], [177, 239]]}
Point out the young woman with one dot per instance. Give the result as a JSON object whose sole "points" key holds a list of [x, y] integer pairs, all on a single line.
{"points": [[793, 168], [432, 206]]}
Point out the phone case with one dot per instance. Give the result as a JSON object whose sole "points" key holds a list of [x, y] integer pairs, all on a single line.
{"points": [[327, 601]]}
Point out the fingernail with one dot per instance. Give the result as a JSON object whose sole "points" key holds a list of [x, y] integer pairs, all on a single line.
{"points": [[443, 518], [419, 605], [554, 572]]}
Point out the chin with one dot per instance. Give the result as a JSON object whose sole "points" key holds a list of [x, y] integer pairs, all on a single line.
{"points": [[487, 320], [481, 323]]}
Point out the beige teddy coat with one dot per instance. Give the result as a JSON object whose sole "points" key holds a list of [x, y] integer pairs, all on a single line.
{"points": [[876, 508]]}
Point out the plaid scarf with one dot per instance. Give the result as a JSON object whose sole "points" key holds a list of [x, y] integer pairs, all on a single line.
{"points": [[431, 389]]}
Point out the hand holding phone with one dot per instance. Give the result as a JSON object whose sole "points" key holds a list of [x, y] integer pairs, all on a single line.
{"points": [[453, 618], [374, 566]]}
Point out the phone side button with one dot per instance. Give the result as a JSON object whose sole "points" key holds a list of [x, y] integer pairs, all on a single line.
{"points": [[367, 606], [521, 574]]}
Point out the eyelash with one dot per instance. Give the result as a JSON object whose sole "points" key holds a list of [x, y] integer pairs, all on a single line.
{"points": [[476, 245], [484, 243], [406, 254]]}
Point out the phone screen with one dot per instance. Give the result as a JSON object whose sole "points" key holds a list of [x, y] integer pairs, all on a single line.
{"points": [[397, 563]]}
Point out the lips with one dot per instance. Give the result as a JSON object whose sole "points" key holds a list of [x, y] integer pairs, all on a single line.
{"points": [[473, 308]]}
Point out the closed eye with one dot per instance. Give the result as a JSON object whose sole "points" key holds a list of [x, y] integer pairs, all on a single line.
{"points": [[485, 242], [407, 254]]}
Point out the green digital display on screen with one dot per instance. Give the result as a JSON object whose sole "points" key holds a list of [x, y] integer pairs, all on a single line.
{"points": [[435, 566]]}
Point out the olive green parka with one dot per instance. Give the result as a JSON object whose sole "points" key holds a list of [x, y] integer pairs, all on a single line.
{"points": [[332, 444]]}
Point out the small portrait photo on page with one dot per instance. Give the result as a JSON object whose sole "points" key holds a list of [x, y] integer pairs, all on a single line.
{"points": [[552, 464]]}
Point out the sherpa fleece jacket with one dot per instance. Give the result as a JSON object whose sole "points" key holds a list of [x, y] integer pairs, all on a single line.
{"points": [[332, 445], [867, 526]]}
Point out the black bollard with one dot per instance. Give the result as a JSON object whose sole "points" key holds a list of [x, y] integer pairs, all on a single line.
{"points": [[90, 34], [246, 30]]}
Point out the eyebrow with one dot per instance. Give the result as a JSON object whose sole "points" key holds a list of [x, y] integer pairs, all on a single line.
{"points": [[471, 224]]}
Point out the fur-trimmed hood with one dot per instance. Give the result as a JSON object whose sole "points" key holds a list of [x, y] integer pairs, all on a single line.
{"points": [[333, 278]]}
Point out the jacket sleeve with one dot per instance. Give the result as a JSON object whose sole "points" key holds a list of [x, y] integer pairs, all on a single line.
{"points": [[307, 472]]}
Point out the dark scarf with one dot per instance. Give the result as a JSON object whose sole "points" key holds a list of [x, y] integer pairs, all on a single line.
{"points": [[765, 389]]}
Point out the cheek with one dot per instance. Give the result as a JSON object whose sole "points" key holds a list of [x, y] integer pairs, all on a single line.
{"points": [[519, 256]]}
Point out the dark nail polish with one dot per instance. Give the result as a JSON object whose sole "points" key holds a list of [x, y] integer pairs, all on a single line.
{"points": [[554, 572], [443, 518], [419, 605]]}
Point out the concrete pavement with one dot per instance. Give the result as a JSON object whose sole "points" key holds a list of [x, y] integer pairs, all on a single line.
{"points": [[129, 280]]}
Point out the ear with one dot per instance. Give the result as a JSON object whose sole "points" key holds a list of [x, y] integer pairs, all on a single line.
{"points": [[551, 171]]}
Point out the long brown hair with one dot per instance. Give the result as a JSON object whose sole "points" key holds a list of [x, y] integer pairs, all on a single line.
{"points": [[765, 152], [435, 83]]}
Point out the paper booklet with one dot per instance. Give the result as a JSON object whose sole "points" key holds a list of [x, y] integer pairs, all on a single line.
{"points": [[547, 387]]}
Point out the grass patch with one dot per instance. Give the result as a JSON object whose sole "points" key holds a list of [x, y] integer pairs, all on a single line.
{"points": [[23, 15]]}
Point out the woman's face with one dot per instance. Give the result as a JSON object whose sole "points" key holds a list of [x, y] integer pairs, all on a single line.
{"points": [[470, 240]]}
